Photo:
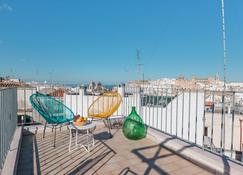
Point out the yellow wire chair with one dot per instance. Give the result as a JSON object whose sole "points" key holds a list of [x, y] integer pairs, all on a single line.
{"points": [[104, 107]]}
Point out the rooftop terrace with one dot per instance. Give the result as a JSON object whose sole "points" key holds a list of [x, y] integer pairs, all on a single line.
{"points": [[184, 137], [117, 155]]}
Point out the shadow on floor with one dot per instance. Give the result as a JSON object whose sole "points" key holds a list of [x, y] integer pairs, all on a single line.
{"points": [[150, 161], [38, 156], [127, 171], [103, 136]]}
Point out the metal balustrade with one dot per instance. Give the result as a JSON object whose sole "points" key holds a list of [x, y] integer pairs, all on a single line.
{"points": [[204, 118], [26, 113], [8, 120], [211, 120]]}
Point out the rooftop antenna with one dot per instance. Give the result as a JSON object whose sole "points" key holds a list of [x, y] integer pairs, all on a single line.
{"points": [[139, 65], [224, 43], [222, 139]]}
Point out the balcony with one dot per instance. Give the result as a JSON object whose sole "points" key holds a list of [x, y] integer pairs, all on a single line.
{"points": [[185, 135]]}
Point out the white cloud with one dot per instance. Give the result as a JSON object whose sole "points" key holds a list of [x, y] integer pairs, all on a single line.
{"points": [[5, 7]]}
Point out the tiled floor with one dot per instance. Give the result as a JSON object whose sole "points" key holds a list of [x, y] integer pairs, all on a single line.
{"points": [[110, 156]]}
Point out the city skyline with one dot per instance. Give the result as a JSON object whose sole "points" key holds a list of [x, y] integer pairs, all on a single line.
{"points": [[83, 41]]}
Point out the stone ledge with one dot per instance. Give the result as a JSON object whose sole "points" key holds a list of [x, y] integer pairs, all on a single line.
{"points": [[214, 163], [11, 162]]}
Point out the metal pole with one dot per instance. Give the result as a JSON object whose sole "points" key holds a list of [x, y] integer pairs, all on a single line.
{"points": [[222, 125], [153, 106], [196, 116], [225, 61], [24, 105], [232, 128], [204, 117], [212, 119], [177, 96], [166, 117], [157, 116], [145, 105], [189, 116], [224, 41], [76, 101], [162, 107], [241, 140], [182, 118], [171, 111]]}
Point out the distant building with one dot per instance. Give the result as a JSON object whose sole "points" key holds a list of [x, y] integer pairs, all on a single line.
{"points": [[138, 83], [13, 84], [209, 105], [182, 83], [95, 88], [59, 92]]}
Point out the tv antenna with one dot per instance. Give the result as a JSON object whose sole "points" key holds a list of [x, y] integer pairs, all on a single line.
{"points": [[222, 139], [224, 43], [139, 65]]}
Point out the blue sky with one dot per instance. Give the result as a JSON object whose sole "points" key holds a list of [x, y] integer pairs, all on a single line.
{"points": [[82, 40]]}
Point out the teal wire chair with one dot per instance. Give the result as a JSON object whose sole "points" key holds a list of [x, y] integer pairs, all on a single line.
{"points": [[53, 111]]}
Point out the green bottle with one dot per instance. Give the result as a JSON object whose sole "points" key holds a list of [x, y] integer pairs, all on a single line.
{"points": [[134, 127]]}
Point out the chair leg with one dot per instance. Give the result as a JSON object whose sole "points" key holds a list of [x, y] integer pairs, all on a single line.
{"points": [[87, 140], [76, 139], [109, 126], [44, 132], [54, 136], [93, 140], [70, 141]]}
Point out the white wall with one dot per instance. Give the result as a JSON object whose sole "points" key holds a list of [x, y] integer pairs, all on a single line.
{"points": [[155, 116], [23, 97], [165, 119], [214, 122], [79, 103]]}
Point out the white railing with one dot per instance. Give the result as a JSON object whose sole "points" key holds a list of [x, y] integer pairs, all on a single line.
{"points": [[8, 120], [212, 120], [26, 113]]}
